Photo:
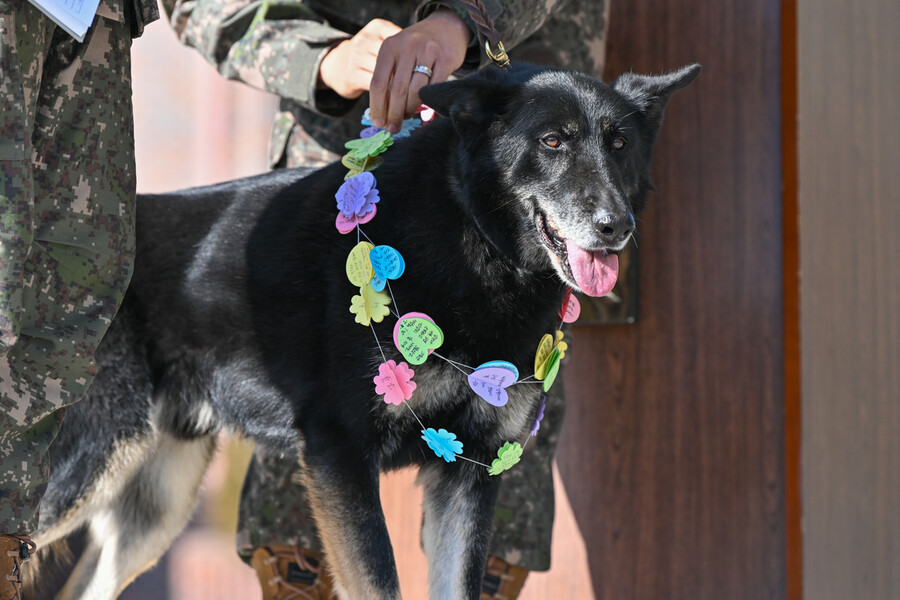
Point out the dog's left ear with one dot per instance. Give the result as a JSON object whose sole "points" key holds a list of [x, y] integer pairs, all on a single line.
{"points": [[470, 103], [651, 93]]}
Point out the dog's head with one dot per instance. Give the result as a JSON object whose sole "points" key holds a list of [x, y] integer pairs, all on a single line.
{"points": [[559, 159]]}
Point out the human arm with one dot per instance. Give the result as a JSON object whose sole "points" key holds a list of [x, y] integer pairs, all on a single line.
{"points": [[277, 47], [444, 39], [437, 42]]}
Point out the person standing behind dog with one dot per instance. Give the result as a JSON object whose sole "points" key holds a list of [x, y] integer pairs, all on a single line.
{"points": [[328, 61], [67, 189]]}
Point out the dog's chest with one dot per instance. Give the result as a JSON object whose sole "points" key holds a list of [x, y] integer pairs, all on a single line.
{"points": [[443, 399]]}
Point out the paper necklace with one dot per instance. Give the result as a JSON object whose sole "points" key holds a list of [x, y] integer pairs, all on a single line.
{"points": [[371, 268]]}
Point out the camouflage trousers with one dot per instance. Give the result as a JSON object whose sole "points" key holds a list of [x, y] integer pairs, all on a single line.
{"points": [[66, 229]]}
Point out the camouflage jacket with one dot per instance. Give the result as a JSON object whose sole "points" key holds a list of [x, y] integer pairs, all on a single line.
{"points": [[138, 12], [278, 45]]}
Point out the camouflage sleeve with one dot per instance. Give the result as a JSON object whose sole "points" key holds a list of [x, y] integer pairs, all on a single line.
{"points": [[516, 20], [274, 45]]}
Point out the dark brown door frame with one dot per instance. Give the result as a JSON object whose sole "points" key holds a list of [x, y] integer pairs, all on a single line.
{"points": [[673, 453]]}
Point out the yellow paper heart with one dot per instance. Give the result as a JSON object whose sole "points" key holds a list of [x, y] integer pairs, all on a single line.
{"points": [[545, 349], [357, 165], [560, 344], [370, 305], [359, 266]]}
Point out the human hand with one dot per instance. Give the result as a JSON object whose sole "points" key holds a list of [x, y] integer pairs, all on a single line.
{"points": [[438, 42], [347, 68]]}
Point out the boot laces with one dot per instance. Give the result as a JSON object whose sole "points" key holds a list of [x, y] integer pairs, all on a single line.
{"points": [[297, 593], [26, 549]]}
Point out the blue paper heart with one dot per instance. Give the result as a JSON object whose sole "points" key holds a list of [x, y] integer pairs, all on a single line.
{"points": [[501, 363], [387, 263]]}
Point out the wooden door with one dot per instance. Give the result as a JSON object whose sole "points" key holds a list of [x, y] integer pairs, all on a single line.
{"points": [[672, 453]]}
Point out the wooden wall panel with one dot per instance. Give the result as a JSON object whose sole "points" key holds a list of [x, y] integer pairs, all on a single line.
{"points": [[672, 450], [849, 149]]}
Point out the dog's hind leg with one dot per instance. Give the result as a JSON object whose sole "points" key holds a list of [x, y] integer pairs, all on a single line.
{"points": [[459, 503], [132, 532], [342, 488]]}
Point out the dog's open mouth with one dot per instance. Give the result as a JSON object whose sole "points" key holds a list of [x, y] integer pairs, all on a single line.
{"points": [[594, 271]]}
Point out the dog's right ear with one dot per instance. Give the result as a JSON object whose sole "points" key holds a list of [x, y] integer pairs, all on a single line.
{"points": [[470, 103]]}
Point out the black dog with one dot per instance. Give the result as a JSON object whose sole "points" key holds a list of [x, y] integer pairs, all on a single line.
{"points": [[237, 317]]}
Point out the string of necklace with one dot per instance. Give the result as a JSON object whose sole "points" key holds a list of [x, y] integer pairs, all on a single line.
{"points": [[371, 268]]}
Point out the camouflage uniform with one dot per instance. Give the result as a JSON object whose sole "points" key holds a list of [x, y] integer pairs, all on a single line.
{"points": [[66, 225], [278, 46]]}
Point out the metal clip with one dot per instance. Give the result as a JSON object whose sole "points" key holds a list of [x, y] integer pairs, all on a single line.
{"points": [[500, 59]]}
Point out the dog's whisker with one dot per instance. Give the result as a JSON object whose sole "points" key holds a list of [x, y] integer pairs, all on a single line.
{"points": [[496, 208]]}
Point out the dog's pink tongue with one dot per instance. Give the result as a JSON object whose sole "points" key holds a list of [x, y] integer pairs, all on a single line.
{"points": [[595, 272]]}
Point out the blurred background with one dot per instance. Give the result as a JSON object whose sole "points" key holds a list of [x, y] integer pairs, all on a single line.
{"points": [[741, 441]]}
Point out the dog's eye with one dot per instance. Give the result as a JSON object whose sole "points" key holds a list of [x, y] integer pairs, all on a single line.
{"points": [[619, 142], [551, 141]]}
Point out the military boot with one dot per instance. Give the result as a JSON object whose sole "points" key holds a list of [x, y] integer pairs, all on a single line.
{"points": [[291, 573], [14, 550], [502, 581]]}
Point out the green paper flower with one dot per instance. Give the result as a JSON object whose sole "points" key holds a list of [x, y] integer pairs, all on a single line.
{"points": [[372, 146], [507, 457]]}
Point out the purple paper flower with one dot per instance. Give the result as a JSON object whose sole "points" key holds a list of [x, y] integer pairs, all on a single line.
{"points": [[357, 196], [540, 415], [443, 443], [368, 132]]}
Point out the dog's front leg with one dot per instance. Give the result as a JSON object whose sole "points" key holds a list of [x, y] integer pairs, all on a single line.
{"points": [[342, 487], [459, 506]]}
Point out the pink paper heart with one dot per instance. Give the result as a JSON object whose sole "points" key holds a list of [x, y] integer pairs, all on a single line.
{"points": [[570, 309], [395, 382], [345, 225]]}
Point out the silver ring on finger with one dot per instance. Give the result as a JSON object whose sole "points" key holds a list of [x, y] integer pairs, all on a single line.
{"points": [[423, 70]]}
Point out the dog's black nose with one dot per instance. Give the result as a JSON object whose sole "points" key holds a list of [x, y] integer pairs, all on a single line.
{"points": [[615, 228]]}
